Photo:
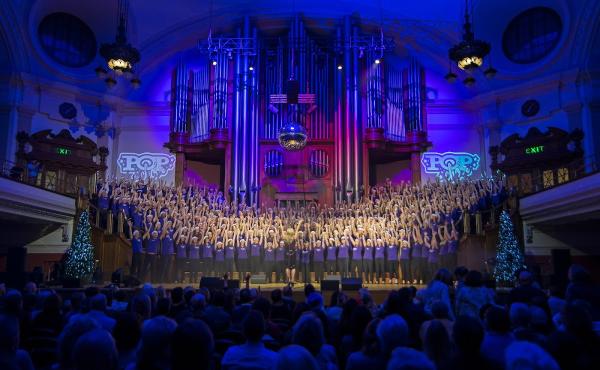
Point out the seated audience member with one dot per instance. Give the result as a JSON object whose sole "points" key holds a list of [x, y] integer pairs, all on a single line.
{"points": [[252, 354], [78, 325], [141, 305], [467, 335], [409, 359], [127, 333], [192, 346], [497, 336], [155, 347], [526, 291], [352, 342], [215, 315], [525, 355], [392, 333], [295, 357], [97, 312], [472, 296], [50, 318], [370, 355], [308, 333], [581, 287], [438, 290], [440, 313], [12, 358], [95, 350], [437, 345], [279, 310], [119, 302]]}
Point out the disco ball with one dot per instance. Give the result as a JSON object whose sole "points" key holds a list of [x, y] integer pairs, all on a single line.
{"points": [[292, 137]]}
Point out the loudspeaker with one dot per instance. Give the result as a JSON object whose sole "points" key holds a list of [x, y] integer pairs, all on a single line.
{"points": [[212, 283], [293, 88], [351, 284], [130, 281], [258, 279], [71, 283], [117, 276], [330, 285], [233, 284]]}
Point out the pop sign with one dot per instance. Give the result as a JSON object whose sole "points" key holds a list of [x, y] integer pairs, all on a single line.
{"points": [[146, 165], [450, 165]]}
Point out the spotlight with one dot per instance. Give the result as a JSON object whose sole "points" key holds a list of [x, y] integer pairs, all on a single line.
{"points": [[469, 81], [450, 77], [135, 83], [110, 82], [214, 62], [490, 72], [377, 61], [339, 67], [100, 72], [251, 68]]}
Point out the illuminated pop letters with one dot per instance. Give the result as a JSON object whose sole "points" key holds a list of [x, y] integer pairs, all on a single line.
{"points": [[450, 165], [146, 165]]}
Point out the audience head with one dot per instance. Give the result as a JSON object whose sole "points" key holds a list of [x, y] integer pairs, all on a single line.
{"points": [[193, 346], [577, 274], [520, 316], [460, 273], [198, 302], [263, 306], [308, 290], [254, 326], [444, 276], [163, 306], [276, 295], [308, 333], [127, 331], [315, 300], [95, 350], [525, 278], [497, 320], [9, 333], [155, 350], [409, 359], [437, 345], [392, 332], [295, 357], [439, 310], [141, 305], [473, 279], [77, 326], [467, 334], [528, 356]]}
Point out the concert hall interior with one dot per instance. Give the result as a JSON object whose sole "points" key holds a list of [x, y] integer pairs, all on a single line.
{"points": [[427, 160]]}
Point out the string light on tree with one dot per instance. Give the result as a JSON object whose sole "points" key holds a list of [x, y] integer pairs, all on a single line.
{"points": [[79, 262], [509, 258]]}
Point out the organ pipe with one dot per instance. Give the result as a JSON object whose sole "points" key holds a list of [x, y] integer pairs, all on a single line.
{"points": [[179, 99]]}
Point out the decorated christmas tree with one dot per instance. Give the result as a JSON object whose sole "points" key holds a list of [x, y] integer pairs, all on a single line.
{"points": [[79, 261], [509, 258]]}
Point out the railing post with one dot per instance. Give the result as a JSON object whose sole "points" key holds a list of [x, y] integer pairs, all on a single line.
{"points": [[120, 223], [109, 223]]}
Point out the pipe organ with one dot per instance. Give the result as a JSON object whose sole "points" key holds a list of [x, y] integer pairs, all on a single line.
{"points": [[365, 111]]}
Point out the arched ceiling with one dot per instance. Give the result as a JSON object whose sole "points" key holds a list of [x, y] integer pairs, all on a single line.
{"points": [[426, 29]]}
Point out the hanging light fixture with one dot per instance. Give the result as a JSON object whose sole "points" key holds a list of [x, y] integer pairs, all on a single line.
{"points": [[469, 53], [120, 56]]}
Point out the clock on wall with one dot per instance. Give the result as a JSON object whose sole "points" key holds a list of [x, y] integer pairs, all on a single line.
{"points": [[530, 108], [67, 110]]}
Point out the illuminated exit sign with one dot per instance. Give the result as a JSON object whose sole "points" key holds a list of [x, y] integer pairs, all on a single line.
{"points": [[63, 151], [534, 149]]}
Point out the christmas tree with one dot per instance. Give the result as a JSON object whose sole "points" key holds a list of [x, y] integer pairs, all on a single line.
{"points": [[79, 260], [509, 258]]}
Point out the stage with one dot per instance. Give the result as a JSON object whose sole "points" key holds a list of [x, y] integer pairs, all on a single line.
{"points": [[379, 292]]}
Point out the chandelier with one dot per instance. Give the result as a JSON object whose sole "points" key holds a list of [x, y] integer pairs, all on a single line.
{"points": [[292, 137], [120, 56], [469, 53]]}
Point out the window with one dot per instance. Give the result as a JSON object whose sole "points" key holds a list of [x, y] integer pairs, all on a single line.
{"points": [[548, 178], [563, 175], [526, 185], [531, 35], [67, 40]]}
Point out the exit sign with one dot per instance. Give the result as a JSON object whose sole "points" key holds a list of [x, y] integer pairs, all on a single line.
{"points": [[534, 149], [63, 151]]}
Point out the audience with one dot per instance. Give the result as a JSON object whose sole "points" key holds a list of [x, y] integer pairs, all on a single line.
{"points": [[252, 354], [187, 328]]}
